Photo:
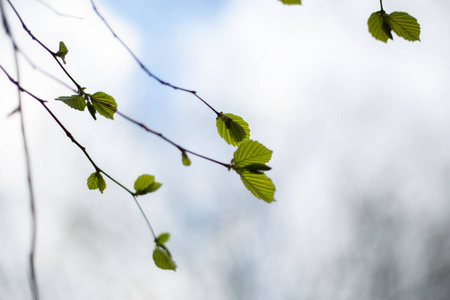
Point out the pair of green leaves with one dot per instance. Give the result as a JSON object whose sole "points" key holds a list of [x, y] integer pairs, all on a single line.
{"points": [[250, 158], [144, 184], [99, 102], [249, 161], [382, 24], [96, 181], [161, 255]]}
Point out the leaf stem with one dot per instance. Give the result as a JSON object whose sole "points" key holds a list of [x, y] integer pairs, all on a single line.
{"points": [[145, 217], [53, 54], [381, 4], [57, 12], [30, 62], [135, 200]]}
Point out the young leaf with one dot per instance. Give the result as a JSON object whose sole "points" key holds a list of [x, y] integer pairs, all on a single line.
{"points": [[386, 26], [377, 26], [249, 162], [92, 110], [259, 184], [145, 184], [250, 152], [162, 259], [74, 101], [233, 129], [162, 238], [291, 1], [62, 52], [256, 168], [96, 181], [185, 159], [404, 26], [104, 104]]}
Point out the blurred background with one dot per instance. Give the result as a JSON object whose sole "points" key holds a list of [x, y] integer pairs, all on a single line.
{"points": [[359, 129]]}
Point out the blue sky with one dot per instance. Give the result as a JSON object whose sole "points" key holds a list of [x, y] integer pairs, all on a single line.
{"points": [[359, 131]]}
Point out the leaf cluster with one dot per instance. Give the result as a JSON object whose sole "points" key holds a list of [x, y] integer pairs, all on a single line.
{"points": [[95, 181], [145, 184], [98, 102], [249, 161], [250, 158], [161, 255], [381, 25]]}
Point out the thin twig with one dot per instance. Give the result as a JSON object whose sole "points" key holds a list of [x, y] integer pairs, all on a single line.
{"points": [[144, 68], [4, 21], [57, 12], [182, 149], [45, 72], [33, 278], [53, 54]]}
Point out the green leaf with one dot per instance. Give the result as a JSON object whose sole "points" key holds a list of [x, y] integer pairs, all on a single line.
{"points": [[75, 101], [104, 104], [250, 152], [256, 168], [185, 159], [386, 27], [404, 26], [249, 162], [291, 1], [381, 24], [162, 238], [163, 259], [233, 129], [377, 26], [145, 184], [92, 110], [62, 52], [259, 184], [96, 181]]}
